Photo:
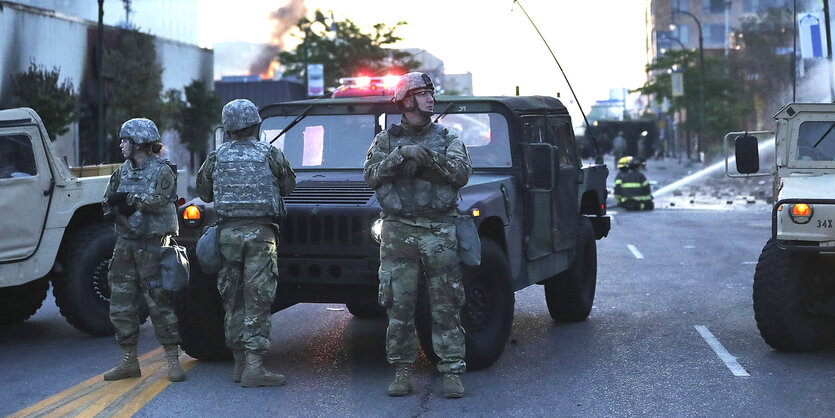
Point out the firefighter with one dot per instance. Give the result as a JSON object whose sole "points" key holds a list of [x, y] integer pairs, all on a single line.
{"points": [[632, 191]]}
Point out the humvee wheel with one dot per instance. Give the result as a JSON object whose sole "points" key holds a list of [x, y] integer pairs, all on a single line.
{"points": [[570, 294], [81, 290], [200, 316], [366, 310], [783, 293], [18, 303], [487, 315]]}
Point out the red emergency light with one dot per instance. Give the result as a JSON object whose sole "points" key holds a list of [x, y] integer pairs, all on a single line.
{"points": [[364, 86]]}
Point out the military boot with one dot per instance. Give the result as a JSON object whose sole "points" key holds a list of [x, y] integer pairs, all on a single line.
{"points": [[402, 384], [256, 375], [240, 363], [453, 388], [175, 371], [128, 367]]}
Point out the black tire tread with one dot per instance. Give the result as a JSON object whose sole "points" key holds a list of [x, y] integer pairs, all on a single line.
{"points": [[19, 303], [564, 292], [781, 319]]}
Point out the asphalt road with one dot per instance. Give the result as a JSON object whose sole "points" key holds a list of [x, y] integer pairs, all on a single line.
{"points": [[660, 275]]}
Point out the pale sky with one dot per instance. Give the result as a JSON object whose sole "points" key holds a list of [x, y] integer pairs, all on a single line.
{"points": [[599, 43]]}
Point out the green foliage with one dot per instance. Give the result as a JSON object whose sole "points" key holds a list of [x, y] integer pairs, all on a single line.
{"points": [[56, 103], [199, 114], [349, 53], [171, 112], [134, 81]]}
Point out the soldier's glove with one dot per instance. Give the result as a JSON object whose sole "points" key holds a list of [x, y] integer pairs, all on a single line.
{"points": [[119, 201], [409, 168], [419, 153]]}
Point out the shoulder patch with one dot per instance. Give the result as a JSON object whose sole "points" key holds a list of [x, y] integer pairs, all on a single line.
{"points": [[395, 130], [165, 184]]}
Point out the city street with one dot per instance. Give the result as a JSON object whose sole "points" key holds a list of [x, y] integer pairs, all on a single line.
{"points": [[674, 291]]}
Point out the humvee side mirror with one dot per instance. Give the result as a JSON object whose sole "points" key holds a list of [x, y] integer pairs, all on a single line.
{"points": [[219, 134], [542, 175], [747, 154]]}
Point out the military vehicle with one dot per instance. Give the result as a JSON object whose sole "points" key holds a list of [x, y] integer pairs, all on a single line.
{"points": [[538, 213], [51, 229], [794, 294]]}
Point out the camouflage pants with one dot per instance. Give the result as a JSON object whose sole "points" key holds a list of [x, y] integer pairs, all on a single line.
{"points": [[247, 283], [130, 269], [405, 250]]}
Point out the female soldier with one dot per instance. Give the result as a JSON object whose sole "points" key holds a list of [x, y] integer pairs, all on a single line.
{"points": [[141, 195]]}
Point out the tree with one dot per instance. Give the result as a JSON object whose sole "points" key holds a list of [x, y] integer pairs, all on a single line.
{"points": [[56, 103], [198, 115], [134, 81], [349, 53]]}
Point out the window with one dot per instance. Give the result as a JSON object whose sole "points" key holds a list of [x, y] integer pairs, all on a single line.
{"points": [[682, 5], [16, 157], [713, 6], [715, 34], [682, 33], [484, 134], [564, 140], [816, 141], [331, 141]]}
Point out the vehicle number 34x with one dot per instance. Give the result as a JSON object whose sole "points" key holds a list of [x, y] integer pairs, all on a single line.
{"points": [[824, 223]]}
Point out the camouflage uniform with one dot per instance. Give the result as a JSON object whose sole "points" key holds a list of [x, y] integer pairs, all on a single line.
{"points": [[417, 236], [246, 179], [151, 191]]}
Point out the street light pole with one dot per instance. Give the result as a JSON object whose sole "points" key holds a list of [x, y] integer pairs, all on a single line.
{"points": [[701, 81]]}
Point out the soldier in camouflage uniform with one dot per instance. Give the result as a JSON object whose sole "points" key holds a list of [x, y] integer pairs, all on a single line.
{"points": [[416, 169], [246, 179], [141, 198]]}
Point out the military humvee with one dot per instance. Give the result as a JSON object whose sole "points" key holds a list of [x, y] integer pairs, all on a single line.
{"points": [[794, 294], [537, 209]]}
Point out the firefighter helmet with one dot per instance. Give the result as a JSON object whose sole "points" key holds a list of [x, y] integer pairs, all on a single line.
{"points": [[625, 162]]}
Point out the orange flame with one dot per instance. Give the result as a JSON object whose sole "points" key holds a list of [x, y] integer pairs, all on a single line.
{"points": [[270, 73]]}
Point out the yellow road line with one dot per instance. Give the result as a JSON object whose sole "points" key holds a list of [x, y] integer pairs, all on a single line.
{"points": [[97, 397]]}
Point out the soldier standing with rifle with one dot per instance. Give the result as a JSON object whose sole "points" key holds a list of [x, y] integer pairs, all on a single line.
{"points": [[416, 169], [140, 199], [246, 179]]}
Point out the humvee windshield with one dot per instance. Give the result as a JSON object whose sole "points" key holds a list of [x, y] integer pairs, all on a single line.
{"points": [[342, 141], [816, 141]]}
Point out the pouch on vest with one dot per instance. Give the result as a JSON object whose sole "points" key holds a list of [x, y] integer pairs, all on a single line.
{"points": [[469, 244], [174, 267], [208, 251]]}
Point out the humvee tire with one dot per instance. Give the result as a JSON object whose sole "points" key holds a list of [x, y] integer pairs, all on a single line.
{"points": [[81, 290], [18, 303], [200, 317], [487, 315], [366, 310], [570, 294], [781, 297]]}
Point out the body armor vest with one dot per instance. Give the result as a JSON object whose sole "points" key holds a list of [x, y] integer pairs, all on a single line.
{"points": [[244, 186], [143, 181], [411, 197]]}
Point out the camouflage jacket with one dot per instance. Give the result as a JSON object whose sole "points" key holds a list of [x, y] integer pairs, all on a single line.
{"points": [[433, 191], [152, 191], [278, 165]]}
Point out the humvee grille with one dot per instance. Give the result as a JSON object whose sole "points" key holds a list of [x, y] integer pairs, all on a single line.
{"points": [[303, 229], [329, 193]]}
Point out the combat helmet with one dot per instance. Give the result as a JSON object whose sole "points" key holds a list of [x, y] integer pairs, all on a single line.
{"points": [[239, 114], [410, 83], [140, 131]]}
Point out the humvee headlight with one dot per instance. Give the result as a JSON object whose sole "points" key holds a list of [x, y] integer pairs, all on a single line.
{"points": [[377, 230], [192, 215], [801, 213]]}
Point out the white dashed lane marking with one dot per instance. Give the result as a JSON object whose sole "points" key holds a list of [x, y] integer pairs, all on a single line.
{"points": [[720, 351], [635, 251]]}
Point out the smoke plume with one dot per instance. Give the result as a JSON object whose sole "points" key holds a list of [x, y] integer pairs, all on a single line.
{"points": [[284, 19]]}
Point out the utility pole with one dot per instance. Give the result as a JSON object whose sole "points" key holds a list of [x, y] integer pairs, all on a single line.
{"points": [[829, 49], [100, 82]]}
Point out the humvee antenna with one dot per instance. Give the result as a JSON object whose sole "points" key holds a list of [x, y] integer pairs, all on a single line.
{"points": [[598, 159]]}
